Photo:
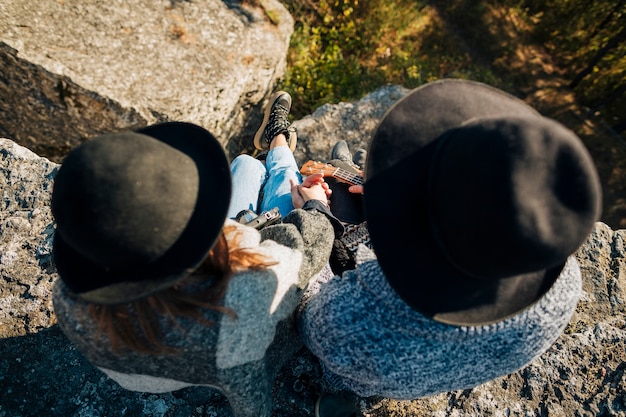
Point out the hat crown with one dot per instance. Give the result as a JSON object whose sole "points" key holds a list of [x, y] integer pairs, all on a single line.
{"points": [[511, 196], [123, 199]]}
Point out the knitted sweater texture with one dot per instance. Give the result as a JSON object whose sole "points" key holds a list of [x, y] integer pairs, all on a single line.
{"points": [[372, 343], [240, 356]]}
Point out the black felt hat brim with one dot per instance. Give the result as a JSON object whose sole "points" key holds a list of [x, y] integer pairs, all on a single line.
{"points": [[89, 279]]}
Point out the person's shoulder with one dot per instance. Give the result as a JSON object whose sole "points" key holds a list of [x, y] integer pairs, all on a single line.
{"points": [[349, 292]]}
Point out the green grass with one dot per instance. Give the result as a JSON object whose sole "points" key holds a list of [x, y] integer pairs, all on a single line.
{"points": [[342, 50]]}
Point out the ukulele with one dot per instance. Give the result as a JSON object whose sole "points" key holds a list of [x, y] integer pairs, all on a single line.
{"points": [[327, 170]]}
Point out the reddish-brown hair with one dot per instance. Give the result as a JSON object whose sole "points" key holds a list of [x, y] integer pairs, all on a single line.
{"points": [[136, 325]]}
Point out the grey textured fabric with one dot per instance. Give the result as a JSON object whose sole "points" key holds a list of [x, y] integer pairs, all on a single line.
{"points": [[372, 343], [238, 356]]}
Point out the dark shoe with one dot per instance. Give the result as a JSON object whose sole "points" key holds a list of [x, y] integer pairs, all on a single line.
{"points": [[341, 151], [332, 405], [359, 158], [275, 122]]}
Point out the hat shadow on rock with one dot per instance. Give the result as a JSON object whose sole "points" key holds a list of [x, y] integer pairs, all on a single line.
{"points": [[474, 201], [136, 211]]}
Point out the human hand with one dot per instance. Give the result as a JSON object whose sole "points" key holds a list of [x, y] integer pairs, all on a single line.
{"points": [[356, 189], [312, 188]]}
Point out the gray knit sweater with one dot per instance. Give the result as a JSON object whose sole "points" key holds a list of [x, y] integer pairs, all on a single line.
{"points": [[238, 356], [372, 343]]}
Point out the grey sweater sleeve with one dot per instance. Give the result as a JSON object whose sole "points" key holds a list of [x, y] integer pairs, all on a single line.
{"points": [[309, 232]]}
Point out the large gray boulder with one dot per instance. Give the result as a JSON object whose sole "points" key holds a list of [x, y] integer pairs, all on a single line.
{"points": [[74, 69], [353, 122], [41, 374]]}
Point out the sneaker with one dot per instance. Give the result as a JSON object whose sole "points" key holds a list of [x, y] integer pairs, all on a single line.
{"points": [[341, 152], [275, 122], [332, 405], [360, 155]]}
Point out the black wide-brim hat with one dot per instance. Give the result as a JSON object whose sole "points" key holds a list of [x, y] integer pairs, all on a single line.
{"points": [[136, 211], [474, 201]]}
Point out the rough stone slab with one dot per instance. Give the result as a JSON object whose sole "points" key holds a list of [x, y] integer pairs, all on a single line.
{"points": [[73, 69], [353, 122], [26, 229]]}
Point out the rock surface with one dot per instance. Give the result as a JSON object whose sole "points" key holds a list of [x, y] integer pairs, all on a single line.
{"points": [[583, 374], [75, 69], [353, 122]]}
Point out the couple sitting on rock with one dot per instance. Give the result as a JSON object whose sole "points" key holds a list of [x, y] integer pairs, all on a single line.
{"points": [[473, 205]]}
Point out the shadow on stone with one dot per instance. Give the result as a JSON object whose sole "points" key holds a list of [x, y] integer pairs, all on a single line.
{"points": [[41, 374]]}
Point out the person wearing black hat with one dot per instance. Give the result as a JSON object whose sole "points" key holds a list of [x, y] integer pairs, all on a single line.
{"points": [[160, 289], [475, 205]]}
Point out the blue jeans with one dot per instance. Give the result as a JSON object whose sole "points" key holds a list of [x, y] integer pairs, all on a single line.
{"points": [[251, 176]]}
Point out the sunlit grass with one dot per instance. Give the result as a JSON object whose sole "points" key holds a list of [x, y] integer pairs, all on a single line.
{"points": [[342, 50]]}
